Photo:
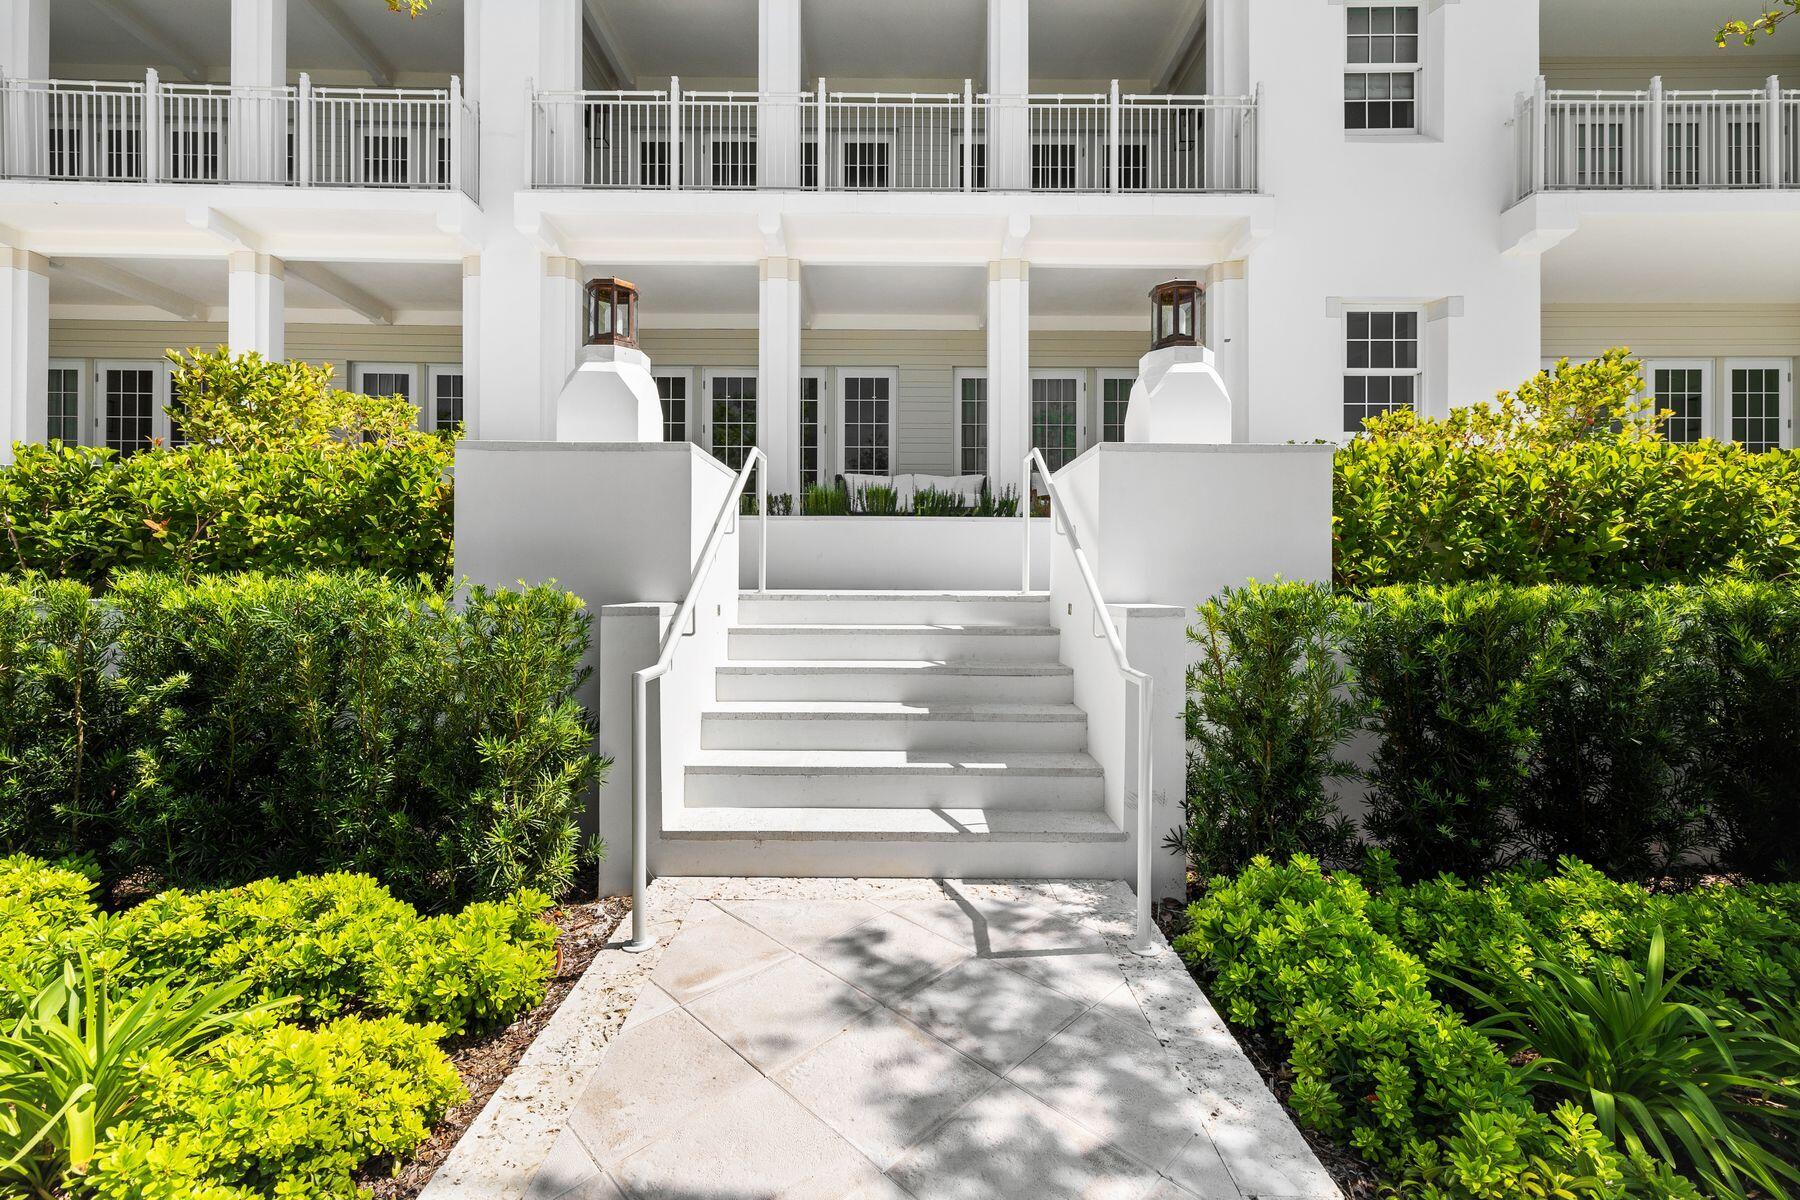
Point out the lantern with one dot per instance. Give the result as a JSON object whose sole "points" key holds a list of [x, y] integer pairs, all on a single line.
{"points": [[1175, 314], [611, 313]]}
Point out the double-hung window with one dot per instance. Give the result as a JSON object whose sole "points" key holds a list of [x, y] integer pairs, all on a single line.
{"points": [[1381, 364], [1381, 71]]}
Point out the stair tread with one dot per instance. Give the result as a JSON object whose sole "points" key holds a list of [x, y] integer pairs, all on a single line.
{"points": [[983, 630], [893, 762], [924, 710], [800, 594], [898, 824], [887, 666]]}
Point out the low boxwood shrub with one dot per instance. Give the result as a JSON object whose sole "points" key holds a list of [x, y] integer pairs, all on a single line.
{"points": [[251, 725]]}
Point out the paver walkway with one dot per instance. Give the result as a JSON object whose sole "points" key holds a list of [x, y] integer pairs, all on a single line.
{"points": [[884, 1040]]}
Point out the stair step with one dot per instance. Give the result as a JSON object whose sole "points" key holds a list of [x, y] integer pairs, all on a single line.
{"points": [[890, 725], [891, 824], [900, 679], [1009, 780], [938, 643], [894, 608]]}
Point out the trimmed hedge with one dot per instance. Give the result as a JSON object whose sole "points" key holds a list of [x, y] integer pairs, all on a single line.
{"points": [[229, 728], [1625, 728], [86, 514]]}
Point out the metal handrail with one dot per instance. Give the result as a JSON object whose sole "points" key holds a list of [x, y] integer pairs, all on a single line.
{"points": [[640, 771], [1145, 941]]}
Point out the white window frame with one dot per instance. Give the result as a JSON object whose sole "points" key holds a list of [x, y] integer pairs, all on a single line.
{"points": [[1416, 68], [709, 179], [1785, 366], [1084, 435], [704, 427], [687, 376], [1709, 396], [1418, 373], [957, 378], [413, 391], [860, 138], [428, 418], [159, 397], [1077, 166], [1101, 376], [84, 391], [827, 450], [838, 400]]}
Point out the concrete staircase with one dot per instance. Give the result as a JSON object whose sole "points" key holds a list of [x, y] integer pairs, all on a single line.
{"points": [[862, 733]]}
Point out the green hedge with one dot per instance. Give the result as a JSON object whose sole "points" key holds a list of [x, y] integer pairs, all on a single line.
{"points": [[1625, 728], [86, 514], [227, 728]]}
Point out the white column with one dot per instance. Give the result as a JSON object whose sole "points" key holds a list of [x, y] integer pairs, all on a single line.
{"points": [[1009, 83], [778, 371], [1008, 371], [25, 39], [259, 118], [24, 348], [1227, 335], [559, 70], [471, 344], [561, 331], [257, 305], [778, 79]]}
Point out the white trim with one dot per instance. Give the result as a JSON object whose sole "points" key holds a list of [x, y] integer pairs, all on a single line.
{"points": [[892, 375], [700, 419], [433, 372], [1786, 368], [957, 378], [690, 394], [1415, 68], [159, 401], [1420, 376], [1101, 375], [1709, 397], [1084, 435], [84, 391], [827, 452], [410, 370]]}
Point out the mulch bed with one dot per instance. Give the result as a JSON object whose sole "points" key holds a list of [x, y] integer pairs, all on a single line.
{"points": [[1354, 1177], [485, 1061]]}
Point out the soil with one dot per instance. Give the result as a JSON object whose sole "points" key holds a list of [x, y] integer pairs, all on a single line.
{"points": [[485, 1061]]}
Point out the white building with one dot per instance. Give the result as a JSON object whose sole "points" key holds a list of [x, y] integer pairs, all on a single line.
{"points": [[901, 237]]}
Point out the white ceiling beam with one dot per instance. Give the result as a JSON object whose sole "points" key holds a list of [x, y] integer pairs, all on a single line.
{"points": [[211, 220], [343, 291], [133, 22], [373, 62], [133, 287], [602, 44], [1182, 51]]}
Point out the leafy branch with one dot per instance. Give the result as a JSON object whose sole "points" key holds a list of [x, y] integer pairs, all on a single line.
{"points": [[1747, 31]]}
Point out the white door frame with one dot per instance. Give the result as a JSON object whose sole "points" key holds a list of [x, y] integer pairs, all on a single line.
{"points": [[700, 420], [84, 393], [410, 370], [838, 400], [690, 422], [159, 395], [428, 418], [827, 446], [957, 378], [1785, 367], [1709, 395], [1083, 426], [1097, 414]]}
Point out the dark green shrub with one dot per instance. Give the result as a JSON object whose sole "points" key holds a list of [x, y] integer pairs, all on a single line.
{"points": [[86, 514], [930, 502], [820, 501], [1268, 711], [279, 1111], [877, 500]]}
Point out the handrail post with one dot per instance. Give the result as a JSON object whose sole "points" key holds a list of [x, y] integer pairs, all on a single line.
{"points": [[454, 118], [968, 143], [821, 152], [1773, 166], [1145, 941], [762, 507], [1540, 134], [1025, 524], [1659, 131], [1112, 137], [153, 131], [676, 140], [640, 815]]}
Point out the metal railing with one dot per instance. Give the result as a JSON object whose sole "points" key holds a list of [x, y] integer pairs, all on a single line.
{"points": [[756, 462], [893, 141], [1141, 683], [1656, 139], [156, 132]]}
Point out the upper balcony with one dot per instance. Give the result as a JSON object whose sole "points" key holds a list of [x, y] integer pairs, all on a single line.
{"points": [[157, 132], [850, 141]]}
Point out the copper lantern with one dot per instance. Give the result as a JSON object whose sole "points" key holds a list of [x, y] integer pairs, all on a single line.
{"points": [[611, 317], [1175, 314]]}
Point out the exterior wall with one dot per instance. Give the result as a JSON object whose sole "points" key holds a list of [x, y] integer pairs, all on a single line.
{"points": [[336, 344], [1384, 218], [1580, 331], [1701, 71]]}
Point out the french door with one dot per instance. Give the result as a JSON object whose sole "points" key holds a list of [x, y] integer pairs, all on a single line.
{"points": [[64, 407], [131, 415], [1056, 425], [867, 401], [731, 415], [1759, 397]]}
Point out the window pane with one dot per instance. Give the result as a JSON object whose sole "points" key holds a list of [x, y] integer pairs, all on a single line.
{"points": [[733, 419]]}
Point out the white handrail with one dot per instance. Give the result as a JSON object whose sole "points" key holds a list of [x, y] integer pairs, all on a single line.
{"points": [[1145, 942], [640, 693]]}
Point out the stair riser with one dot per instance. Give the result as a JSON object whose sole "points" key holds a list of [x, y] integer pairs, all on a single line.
{"points": [[1013, 792], [888, 733], [907, 687], [889, 859], [754, 610], [753, 644]]}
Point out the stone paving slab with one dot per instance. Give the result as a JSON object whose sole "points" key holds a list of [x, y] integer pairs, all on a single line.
{"points": [[808, 1039]]}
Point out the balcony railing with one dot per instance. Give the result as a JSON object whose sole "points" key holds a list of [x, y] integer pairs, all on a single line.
{"points": [[883, 141], [155, 132], [1657, 139]]}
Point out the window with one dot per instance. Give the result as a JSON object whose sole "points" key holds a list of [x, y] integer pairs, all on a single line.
{"points": [[809, 431], [865, 165], [447, 399], [384, 158], [733, 418], [65, 405], [130, 408], [442, 178], [972, 424], [977, 168], [1381, 365], [386, 381], [1681, 152], [1056, 419], [1053, 167], [1756, 405], [672, 390], [1134, 167], [1600, 154], [1382, 76], [734, 164], [809, 164], [653, 164], [1680, 390], [124, 154], [194, 156], [868, 424], [1743, 154], [1115, 398]]}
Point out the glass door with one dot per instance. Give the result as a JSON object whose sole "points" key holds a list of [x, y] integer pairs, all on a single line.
{"points": [[867, 424], [1056, 418], [130, 416]]}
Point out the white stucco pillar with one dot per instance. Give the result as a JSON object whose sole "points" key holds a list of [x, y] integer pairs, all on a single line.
{"points": [[561, 330], [1227, 335], [25, 39], [778, 371], [1009, 83], [256, 314], [778, 79], [259, 116], [24, 348], [1009, 370], [471, 344]]}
